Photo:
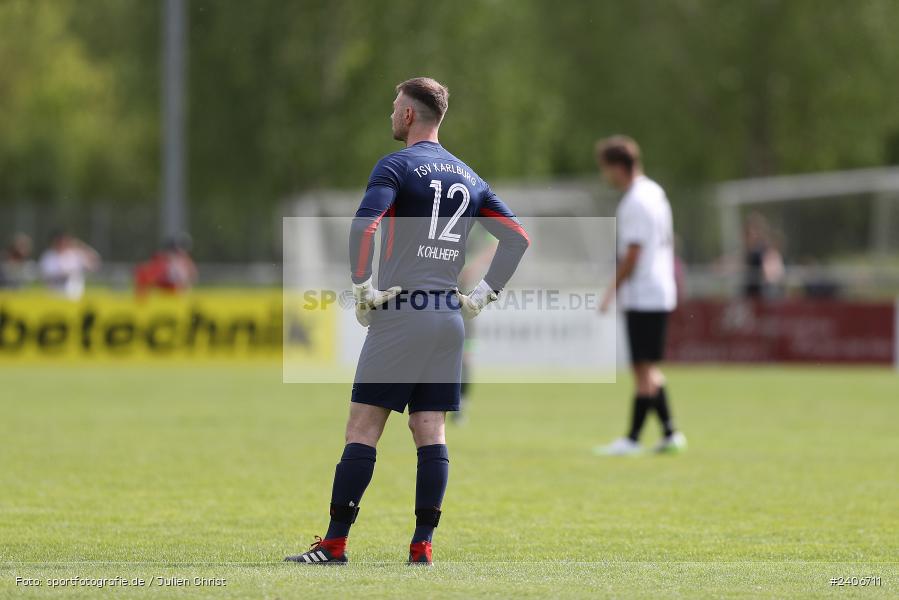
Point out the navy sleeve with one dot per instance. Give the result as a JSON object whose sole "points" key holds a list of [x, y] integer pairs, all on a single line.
{"points": [[383, 185], [502, 223]]}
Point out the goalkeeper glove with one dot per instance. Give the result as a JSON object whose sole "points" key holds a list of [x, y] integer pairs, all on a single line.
{"points": [[476, 300], [368, 298]]}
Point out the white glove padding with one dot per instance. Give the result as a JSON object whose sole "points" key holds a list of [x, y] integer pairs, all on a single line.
{"points": [[476, 300], [368, 298]]}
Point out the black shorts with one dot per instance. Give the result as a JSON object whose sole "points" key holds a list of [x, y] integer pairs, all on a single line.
{"points": [[434, 395], [646, 335], [411, 359]]}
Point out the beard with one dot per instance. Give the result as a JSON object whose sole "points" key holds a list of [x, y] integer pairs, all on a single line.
{"points": [[399, 133]]}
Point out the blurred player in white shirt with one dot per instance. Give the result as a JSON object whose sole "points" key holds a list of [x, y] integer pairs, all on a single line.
{"points": [[645, 285], [63, 265]]}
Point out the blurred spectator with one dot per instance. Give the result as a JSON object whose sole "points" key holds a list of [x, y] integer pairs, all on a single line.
{"points": [[16, 266], [763, 263], [63, 265], [171, 268]]}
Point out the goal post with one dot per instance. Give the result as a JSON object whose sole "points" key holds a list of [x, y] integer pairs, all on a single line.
{"points": [[882, 183]]}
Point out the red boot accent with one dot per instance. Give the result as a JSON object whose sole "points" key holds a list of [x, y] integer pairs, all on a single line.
{"points": [[420, 552], [335, 546]]}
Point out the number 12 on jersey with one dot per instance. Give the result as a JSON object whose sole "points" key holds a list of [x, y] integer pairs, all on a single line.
{"points": [[447, 235]]}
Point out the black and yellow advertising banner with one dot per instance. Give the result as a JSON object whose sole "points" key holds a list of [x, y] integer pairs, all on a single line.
{"points": [[36, 326]]}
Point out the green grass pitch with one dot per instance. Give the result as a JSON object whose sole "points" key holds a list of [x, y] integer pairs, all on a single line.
{"points": [[792, 478]]}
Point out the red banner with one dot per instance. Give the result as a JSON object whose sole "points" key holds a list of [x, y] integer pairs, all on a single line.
{"points": [[783, 331]]}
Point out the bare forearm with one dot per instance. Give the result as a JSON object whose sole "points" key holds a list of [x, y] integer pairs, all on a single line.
{"points": [[624, 271]]}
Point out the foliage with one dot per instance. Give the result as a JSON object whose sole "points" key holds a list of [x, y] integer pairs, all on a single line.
{"points": [[290, 96]]}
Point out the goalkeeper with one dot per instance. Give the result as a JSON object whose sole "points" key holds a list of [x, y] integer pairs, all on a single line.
{"points": [[425, 201]]}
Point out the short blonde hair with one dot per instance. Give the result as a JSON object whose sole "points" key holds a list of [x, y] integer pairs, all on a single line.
{"points": [[432, 94]]}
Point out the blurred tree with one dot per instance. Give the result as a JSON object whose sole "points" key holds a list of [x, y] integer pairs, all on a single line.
{"points": [[289, 96], [68, 133]]}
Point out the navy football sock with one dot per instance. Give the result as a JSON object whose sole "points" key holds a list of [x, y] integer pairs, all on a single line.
{"points": [[351, 477], [430, 485]]}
